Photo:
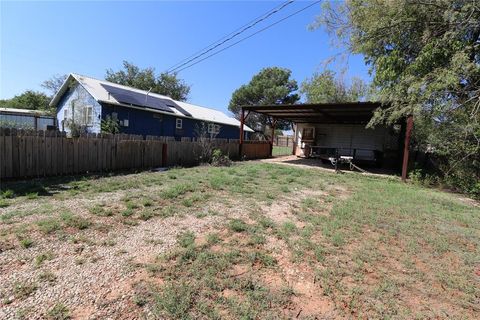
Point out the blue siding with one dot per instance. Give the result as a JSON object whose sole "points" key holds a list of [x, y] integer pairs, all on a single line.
{"points": [[156, 124], [81, 98]]}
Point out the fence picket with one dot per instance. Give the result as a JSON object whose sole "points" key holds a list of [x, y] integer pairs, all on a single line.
{"points": [[37, 154]]}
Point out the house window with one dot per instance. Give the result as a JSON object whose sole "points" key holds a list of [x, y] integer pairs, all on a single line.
{"points": [[65, 114], [213, 128], [88, 115], [179, 124], [114, 116]]}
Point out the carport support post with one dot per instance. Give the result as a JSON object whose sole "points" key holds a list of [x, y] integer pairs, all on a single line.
{"points": [[406, 147], [274, 122], [242, 122]]}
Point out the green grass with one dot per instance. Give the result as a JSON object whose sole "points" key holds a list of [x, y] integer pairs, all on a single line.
{"points": [[26, 243], [281, 151]]}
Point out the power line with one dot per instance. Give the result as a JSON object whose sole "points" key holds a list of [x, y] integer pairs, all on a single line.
{"points": [[248, 37], [221, 39], [229, 36]]}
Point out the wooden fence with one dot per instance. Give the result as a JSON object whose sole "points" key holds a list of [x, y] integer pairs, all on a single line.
{"points": [[283, 141], [256, 149], [25, 153]]}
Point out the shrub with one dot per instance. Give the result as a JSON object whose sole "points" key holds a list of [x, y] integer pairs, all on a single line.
{"points": [[219, 159], [7, 194]]}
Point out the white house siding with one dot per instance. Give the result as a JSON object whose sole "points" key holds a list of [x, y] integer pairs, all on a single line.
{"points": [[81, 98], [349, 137]]}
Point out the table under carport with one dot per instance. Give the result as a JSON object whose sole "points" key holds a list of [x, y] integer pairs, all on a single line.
{"points": [[338, 131]]}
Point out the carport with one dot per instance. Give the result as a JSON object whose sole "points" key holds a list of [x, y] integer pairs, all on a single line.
{"points": [[337, 127]]}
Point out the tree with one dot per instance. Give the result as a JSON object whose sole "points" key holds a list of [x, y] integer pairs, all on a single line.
{"points": [[29, 99], [54, 83], [145, 79], [425, 59], [110, 125], [270, 86], [324, 87]]}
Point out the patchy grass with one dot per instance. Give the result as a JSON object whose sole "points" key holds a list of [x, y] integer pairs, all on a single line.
{"points": [[363, 247]]}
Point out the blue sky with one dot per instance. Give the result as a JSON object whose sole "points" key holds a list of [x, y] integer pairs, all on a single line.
{"points": [[40, 39]]}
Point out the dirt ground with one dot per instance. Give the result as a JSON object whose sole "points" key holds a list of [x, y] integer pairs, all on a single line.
{"points": [[98, 262]]}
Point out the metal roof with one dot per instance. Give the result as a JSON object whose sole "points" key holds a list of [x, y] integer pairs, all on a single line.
{"points": [[23, 111], [96, 88], [345, 112]]}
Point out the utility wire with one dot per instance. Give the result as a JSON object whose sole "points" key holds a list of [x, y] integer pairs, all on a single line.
{"points": [[248, 37], [221, 39], [228, 37]]}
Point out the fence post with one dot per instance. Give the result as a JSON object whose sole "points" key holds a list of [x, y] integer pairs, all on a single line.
{"points": [[164, 154]]}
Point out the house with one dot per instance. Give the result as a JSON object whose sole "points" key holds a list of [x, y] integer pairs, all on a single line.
{"points": [[86, 102], [329, 130], [26, 119]]}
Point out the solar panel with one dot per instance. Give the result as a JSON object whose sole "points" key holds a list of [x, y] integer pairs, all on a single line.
{"points": [[138, 99]]}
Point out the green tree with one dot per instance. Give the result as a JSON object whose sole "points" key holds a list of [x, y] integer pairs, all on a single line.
{"points": [[270, 86], [145, 79], [29, 99], [325, 87], [110, 125], [425, 61]]}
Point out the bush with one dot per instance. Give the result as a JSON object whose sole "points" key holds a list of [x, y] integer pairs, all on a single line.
{"points": [[219, 159]]}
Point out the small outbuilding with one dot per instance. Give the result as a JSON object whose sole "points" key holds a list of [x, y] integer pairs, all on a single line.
{"points": [[26, 119], [329, 131]]}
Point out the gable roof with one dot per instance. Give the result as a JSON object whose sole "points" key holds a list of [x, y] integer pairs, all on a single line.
{"points": [[97, 90]]}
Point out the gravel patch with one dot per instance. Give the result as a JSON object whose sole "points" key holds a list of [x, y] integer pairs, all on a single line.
{"points": [[93, 280]]}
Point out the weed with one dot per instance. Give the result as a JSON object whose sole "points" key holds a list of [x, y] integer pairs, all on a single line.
{"points": [[127, 212], [238, 225], [266, 222], [309, 203], [186, 239], [59, 312], [32, 195], [177, 190], [43, 257], [49, 225], [23, 290], [4, 203], [74, 221], [132, 205], [146, 215], [47, 276], [213, 238], [147, 202], [7, 194], [175, 300], [26, 243], [99, 210]]}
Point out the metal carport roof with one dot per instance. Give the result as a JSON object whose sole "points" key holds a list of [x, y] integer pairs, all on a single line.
{"points": [[344, 112]]}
